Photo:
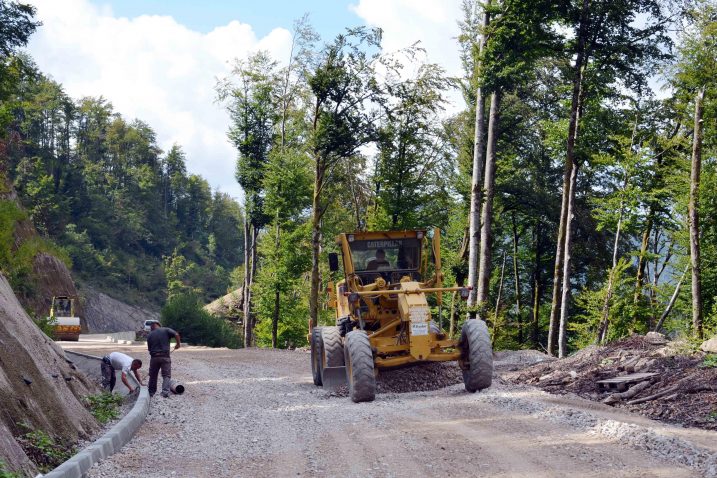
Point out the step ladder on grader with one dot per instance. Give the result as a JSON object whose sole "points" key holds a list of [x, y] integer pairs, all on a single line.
{"points": [[383, 318]]}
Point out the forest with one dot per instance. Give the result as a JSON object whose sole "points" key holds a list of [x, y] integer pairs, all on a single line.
{"points": [[575, 185]]}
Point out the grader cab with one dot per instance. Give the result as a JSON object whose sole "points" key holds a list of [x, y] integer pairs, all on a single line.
{"points": [[383, 316]]}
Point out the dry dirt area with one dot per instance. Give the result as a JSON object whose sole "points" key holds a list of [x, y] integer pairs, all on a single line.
{"points": [[256, 413]]}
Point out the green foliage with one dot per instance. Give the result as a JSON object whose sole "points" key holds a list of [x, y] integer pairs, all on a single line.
{"points": [[283, 270], [104, 406], [184, 313], [16, 263], [591, 303], [709, 362], [47, 325], [414, 165], [5, 473], [42, 449]]}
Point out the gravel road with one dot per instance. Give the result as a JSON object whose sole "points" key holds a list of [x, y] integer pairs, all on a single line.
{"points": [[256, 413]]}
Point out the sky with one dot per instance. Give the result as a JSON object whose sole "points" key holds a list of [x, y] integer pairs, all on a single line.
{"points": [[158, 61]]}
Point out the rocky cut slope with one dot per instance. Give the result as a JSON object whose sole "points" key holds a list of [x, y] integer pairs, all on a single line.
{"points": [[38, 387]]}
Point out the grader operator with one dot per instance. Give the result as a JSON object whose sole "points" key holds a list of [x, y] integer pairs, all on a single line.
{"points": [[384, 320]]}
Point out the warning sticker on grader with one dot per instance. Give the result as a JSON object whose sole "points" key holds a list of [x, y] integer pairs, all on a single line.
{"points": [[419, 320], [420, 328]]}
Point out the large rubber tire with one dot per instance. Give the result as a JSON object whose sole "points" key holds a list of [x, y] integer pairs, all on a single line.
{"points": [[316, 346], [359, 367], [332, 349], [476, 355]]}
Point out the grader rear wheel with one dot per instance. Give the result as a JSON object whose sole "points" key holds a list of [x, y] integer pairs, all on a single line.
{"points": [[359, 367], [316, 346], [476, 355]]}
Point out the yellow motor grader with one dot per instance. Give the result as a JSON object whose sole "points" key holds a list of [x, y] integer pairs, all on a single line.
{"points": [[383, 318]]}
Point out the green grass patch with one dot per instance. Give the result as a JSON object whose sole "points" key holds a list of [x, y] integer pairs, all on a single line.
{"points": [[6, 473], [104, 406], [43, 449], [709, 362]]}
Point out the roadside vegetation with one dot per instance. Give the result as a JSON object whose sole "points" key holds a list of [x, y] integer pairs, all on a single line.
{"points": [[5, 473], [104, 406], [43, 449], [574, 186], [184, 313]]}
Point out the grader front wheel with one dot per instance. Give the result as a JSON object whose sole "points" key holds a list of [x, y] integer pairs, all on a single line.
{"points": [[316, 346], [476, 355], [359, 367], [332, 357]]}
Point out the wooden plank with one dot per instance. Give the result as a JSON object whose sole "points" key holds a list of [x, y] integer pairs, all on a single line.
{"points": [[621, 383]]}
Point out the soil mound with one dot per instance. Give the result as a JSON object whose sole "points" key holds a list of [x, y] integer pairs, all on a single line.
{"points": [[681, 391]]}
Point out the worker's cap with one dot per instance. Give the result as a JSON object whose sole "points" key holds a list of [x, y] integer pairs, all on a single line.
{"points": [[151, 322]]}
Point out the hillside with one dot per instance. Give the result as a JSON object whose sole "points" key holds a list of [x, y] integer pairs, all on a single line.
{"points": [[37, 385]]}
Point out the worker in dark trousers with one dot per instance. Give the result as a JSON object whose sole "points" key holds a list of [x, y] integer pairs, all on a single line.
{"points": [[158, 345], [119, 361]]}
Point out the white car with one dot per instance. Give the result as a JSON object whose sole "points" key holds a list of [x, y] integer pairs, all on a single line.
{"points": [[148, 325]]}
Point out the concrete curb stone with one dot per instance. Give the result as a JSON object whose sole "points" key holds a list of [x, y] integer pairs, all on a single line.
{"points": [[108, 444]]}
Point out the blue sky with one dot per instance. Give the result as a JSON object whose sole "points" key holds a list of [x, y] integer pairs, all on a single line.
{"points": [[328, 17]]}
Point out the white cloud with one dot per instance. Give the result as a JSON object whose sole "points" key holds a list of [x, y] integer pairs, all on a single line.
{"points": [[434, 23], [154, 69], [157, 70]]}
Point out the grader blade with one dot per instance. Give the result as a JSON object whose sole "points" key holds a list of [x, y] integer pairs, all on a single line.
{"points": [[333, 377]]}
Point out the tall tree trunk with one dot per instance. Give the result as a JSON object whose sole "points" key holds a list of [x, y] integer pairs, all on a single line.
{"points": [[486, 235], [558, 272], [315, 249], [641, 260], [496, 328], [672, 301], [245, 287], [694, 216], [536, 286], [478, 160], [249, 281], [567, 250], [277, 292], [516, 277], [605, 320]]}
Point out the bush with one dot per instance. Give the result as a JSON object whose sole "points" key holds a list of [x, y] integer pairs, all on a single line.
{"points": [[42, 449], [5, 473], [16, 262], [47, 325], [184, 313], [104, 406]]}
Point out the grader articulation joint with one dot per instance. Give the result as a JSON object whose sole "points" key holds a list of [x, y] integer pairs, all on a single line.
{"points": [[383, 318]]}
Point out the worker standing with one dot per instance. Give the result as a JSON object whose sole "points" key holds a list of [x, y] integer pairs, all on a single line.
{"points": [[159, 349]]}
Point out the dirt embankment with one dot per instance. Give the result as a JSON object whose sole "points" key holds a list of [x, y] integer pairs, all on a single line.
{"points": [[227, 307], [50, 276], [104, 314], [37, 385], [682, 389]]}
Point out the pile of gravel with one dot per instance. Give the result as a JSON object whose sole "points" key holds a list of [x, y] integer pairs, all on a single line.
{"points": [[422, 377]]}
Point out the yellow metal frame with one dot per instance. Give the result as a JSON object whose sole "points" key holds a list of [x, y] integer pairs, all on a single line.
{"points": [[404, 334]]}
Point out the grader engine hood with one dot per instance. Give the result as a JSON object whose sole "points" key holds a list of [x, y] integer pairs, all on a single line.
{"points": [[415, 311]]}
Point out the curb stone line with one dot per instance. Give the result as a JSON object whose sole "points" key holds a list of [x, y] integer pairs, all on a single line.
{"points": [[109, 443]]}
